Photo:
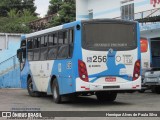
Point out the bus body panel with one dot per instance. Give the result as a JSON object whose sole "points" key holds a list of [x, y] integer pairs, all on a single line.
{"points": [[41, 71]]}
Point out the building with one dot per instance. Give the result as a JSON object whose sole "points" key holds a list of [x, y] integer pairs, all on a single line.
{"points": [[41, 23], [147, 12]]}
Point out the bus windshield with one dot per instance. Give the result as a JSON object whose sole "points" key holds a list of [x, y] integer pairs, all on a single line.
{"points": [[103, 36]]}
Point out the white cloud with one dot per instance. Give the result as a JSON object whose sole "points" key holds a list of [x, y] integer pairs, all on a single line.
{"points": [[42, 7]]}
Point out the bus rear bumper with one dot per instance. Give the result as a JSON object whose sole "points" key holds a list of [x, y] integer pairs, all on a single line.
{"points": [[82, 86]]}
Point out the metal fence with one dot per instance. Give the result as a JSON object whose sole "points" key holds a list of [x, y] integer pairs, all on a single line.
{"points": [[142, 15]]}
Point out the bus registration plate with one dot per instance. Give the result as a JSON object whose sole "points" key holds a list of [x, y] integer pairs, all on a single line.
{"points": [[110, 79]]}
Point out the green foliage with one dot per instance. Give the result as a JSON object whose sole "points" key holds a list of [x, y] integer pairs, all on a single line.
{"points": [[65, 14], [29, 5], [16, 22], [7, 5], [54, 7], [18, 5], [15, 15], [12, 14]]}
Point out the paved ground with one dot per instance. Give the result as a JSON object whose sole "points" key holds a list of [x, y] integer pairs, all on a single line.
{"points": [[16, 98]]}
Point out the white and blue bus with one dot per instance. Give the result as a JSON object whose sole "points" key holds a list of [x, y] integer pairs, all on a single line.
{"points": [[92, 57]]}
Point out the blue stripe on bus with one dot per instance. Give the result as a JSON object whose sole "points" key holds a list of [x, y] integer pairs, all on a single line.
{"points": [[112, 68]]}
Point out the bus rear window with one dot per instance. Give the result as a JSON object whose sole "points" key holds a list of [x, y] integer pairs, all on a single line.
{"points": [[103, 36], [144, 45]]}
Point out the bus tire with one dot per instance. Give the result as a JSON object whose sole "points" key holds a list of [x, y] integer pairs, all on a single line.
{"points": [[157, 89], [106, 96], [153, 89], [141, 91], [55, 92], [30, 89]]}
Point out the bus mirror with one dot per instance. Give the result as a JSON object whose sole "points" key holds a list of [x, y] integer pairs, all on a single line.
{"points": [[19, 54]]}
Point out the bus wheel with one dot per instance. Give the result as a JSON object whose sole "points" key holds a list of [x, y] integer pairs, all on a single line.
{"points": [[30, 89], [153, 89], [157, 89], [106, 96], [141, 91], [55, 92]]}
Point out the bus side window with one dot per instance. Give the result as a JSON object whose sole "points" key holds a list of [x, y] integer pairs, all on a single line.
{"points": [[53, 49], [36, 54], [65, 37], [71, 36], [44, 48], [43, 55], [36, 43], [30, 55], [71, 39], [50, 40], [23, 43], [60, 37], [55, 39], [30, 44], [45, 41], [63, 52], [42, 41], [30, 49], [36, 48], [52, 52]]}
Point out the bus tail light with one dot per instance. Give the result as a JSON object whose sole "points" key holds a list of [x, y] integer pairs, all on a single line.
{"points": [[82, 70], [136, 72], [144, 45]]}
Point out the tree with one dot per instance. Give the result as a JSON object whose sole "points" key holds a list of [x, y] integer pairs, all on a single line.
{"points": [[12, 14], [18, 5], [15, 15], [66, 13], [29, 5], [16, 22], [7, 5], [54, 7]]}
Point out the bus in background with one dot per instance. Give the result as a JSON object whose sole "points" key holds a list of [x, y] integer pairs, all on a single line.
{"points": [[152, 76], [145, 55], [145, 59], [92, 57]]}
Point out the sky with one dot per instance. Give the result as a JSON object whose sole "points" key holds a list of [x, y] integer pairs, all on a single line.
{"points": [[42, 7]]}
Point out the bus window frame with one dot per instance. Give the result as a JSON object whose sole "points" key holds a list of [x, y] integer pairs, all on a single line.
{"points": [[30, 49], [34, 49], [58, 45], [44, 47]]}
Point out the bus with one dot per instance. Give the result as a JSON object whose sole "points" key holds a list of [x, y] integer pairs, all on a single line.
{"points": [[145, 53], [89, 57], [146, 60]]}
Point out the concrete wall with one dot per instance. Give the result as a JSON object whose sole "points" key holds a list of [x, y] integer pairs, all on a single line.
{"points": [[9, 43], [11, 79], [9, 70]]}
